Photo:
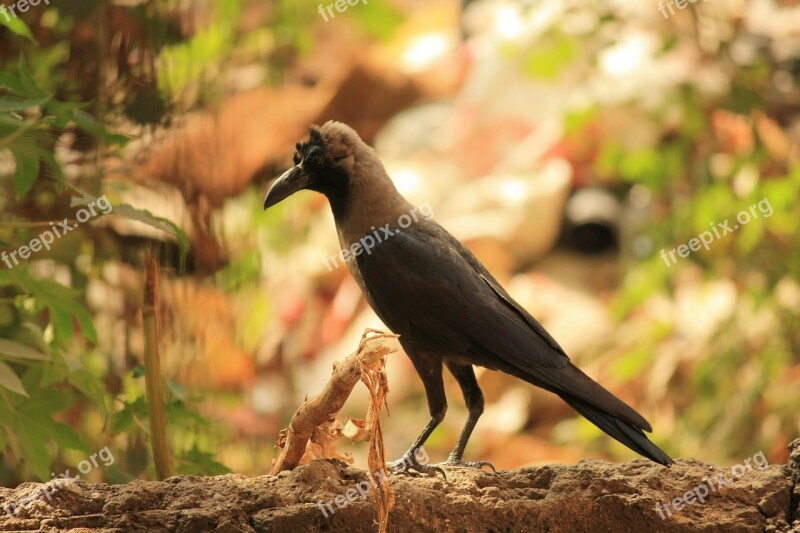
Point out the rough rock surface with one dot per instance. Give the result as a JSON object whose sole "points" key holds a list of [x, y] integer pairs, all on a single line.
{"points": [[589, 496]]}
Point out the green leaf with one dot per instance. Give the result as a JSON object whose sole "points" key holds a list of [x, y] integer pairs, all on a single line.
{"points": [[50, 161], [87, 123], [30, 88], [90, 385], [43, 400], [28, 142], [85, 321], [66, 437], [121, 420], [17, 26], [12, 104], [146, 217], [16, 350], [62, 304], [54, 373], [10, 380], [35, 334], [33, 424], [180, 416], [61, 320], [61, 112], [195, 461], [32, 443], [25, 176], [11, 82]]}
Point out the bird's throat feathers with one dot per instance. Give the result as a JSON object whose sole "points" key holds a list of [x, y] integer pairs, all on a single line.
{"points": [[369, 197], [369, 204]]}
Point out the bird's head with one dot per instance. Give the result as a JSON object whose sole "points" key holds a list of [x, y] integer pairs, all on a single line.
{"points": [[323, 163]]}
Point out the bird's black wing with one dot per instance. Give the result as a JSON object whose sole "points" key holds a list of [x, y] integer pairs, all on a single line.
{"points": [[420, 277], [423, 282]]}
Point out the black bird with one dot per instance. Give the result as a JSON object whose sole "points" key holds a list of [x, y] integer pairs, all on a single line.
{"points": [[447, 308]]}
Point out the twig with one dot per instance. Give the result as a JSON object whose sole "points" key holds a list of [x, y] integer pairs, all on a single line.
{"points": [[323, 408], [152, 373], [376, 381]]}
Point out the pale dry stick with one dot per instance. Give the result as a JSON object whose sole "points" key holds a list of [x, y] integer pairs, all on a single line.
{"points": [[323, 408], [375, 379], [152, 370]]}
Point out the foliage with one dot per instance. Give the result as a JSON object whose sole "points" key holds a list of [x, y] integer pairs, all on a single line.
{"points": [[709, 157], [59, 116]]}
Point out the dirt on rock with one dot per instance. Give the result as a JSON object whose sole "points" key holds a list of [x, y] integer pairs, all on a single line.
{"points": [[589, 496]]}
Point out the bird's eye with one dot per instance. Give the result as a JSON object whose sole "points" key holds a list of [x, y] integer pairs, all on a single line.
{"points": [[312, 163], [313, 160]]}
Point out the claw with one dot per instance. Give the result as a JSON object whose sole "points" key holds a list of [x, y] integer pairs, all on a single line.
{"points": [[410, 466], [469, 464]]}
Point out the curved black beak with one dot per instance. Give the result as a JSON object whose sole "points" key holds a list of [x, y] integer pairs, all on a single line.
{"points": [[287, 184]]}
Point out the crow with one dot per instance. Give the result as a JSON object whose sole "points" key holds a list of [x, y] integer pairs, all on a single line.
{"points": [[431, 290]]}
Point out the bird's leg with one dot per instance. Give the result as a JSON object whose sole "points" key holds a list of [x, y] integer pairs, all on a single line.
{"points": [[473, 397], [409, 463], [430, 371]]}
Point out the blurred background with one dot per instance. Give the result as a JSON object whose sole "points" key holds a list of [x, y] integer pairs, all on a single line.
{"points": [[571, 145]]}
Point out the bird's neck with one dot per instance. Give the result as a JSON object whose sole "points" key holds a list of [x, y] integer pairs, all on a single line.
{"points": [[366, 207]]}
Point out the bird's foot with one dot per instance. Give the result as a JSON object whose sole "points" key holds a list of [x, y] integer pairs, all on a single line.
{"points": [[410, 466], [468, 464]]}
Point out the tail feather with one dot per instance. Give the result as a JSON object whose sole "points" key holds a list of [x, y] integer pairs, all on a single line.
{"points": [[626, 433], [571, 381], [602, 408]]}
